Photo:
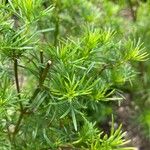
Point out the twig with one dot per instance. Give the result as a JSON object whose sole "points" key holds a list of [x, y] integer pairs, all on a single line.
{"points": [[44, 74], [41, 81], [41, 68], [19, 97], [17, 81], [41, 57]]}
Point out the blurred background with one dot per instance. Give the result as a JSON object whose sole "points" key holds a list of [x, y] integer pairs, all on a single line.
{"points": [[129, 19]]}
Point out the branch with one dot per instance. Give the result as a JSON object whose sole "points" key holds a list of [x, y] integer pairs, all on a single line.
{"points": [[19, 97], [41, 57], [17, 81], [41, 81], [41, 68], [44, 74]]}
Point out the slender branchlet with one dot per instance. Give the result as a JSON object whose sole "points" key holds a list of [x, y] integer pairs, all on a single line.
{"points": [[41, 81], [41, 68], [41, 57], [44, 74], [19, 97], [17, 81]]}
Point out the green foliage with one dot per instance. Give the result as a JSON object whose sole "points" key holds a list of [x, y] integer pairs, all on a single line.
{"points": [[94, 140], [57, 64]]}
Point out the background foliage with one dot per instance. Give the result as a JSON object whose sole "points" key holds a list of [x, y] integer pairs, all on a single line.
{"points": [[64, 67]]}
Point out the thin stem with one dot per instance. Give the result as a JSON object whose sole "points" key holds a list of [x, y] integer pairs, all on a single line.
{"points": [[41, 57], [19, 97], [41, 81], [44, 74], [41, 68], [17, 81], [17, 127]]}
